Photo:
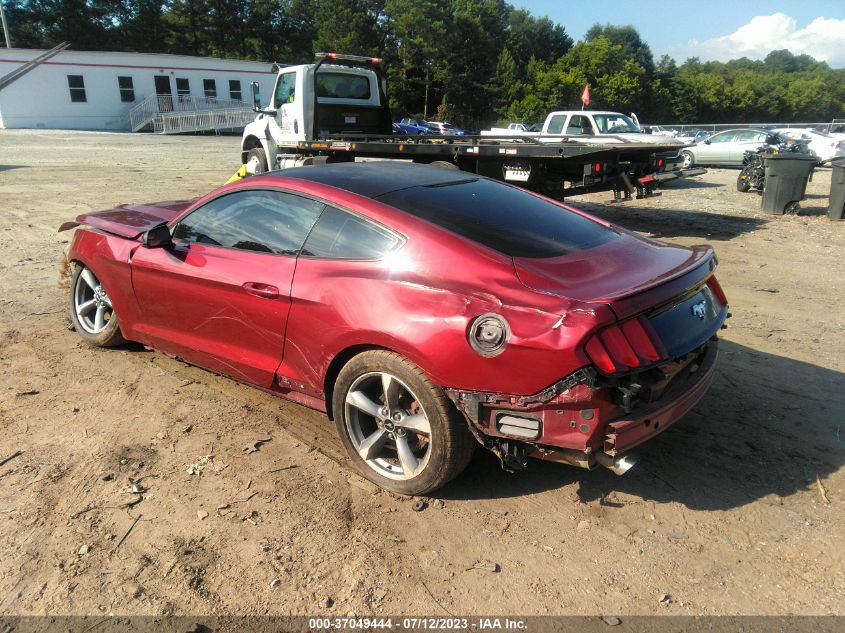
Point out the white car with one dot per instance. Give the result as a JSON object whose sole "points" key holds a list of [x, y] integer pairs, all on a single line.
{"points": [[825, 146]]}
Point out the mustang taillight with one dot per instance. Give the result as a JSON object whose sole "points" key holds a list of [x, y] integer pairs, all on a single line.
{"points": [[717, 290], [624, 346]]}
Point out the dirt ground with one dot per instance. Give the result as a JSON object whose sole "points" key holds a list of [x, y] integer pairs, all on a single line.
{"points": [[737, 510]]}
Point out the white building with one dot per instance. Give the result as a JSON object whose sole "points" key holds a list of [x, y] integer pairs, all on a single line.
{"points": [[97, 90]]}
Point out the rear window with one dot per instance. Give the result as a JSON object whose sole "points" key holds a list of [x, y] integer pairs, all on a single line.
{"points": [[503, 218], [343, 86]]}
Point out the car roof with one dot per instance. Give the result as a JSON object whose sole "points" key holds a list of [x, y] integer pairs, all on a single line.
{"points": [[376, 178]]}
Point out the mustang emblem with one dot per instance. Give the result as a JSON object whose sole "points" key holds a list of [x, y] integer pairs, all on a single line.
{"points": [[699, 309]]}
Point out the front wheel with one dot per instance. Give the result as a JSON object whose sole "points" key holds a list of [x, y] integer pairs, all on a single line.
{"points": [[400, 430], [689, 159], [91, 310], [256, 161]]}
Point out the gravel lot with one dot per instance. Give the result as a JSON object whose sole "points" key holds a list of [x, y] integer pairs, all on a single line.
{"points": [[738, 510]]}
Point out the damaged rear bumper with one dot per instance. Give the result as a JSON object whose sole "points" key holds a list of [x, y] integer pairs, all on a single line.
{"points": [[585, 424]]}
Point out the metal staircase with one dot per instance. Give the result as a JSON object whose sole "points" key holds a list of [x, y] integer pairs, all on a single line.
{"points": [[165, 114]]}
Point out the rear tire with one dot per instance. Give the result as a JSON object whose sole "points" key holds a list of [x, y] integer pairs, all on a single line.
{"points": [[256, 162], [399, 429], [689, 159], [91, 311]]}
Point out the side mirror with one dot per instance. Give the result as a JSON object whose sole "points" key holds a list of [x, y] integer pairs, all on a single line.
{"points": [[256, 96], [158, 237], [707, 142]]}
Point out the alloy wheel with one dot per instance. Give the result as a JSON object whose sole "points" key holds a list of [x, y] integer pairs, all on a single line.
{"points": [[91, 303], [388, 426]]}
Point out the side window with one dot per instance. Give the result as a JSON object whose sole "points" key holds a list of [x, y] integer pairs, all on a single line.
{"points": [[724, 137], [579, 125], [285, 89], [341, 235], [209, 87], [256, 220], [556, 124], [127, 89], [76, 85], [235, 89], [183, 88], [750, 135]]}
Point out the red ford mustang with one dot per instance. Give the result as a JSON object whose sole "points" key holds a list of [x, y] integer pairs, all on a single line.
{"points": [[424, 310]]}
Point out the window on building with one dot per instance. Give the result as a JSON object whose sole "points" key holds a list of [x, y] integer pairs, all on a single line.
{"points": [[183, 88], [76, 84], [235, 89], [127, 89], [209, 87]]}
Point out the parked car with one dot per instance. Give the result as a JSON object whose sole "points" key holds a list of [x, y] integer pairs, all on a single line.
{"points": [[446, 129], [824, 146], [726, 148], [412, 127], [424, 310], [693, 136]]}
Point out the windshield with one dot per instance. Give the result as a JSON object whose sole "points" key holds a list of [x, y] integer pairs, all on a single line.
{"points": [[615, 123]]}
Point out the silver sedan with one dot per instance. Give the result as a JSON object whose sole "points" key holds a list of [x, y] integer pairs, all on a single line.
{"points": [[724, 148]]}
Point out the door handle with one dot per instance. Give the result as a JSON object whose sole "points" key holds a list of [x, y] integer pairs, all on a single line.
{"points": [[261, 290]]}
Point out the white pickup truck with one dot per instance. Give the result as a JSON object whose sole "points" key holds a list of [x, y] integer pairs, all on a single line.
{"points": [[336, 110], [589, 126]]}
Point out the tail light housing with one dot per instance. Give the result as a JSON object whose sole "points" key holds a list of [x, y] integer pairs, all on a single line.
{"points": [[634, 343], [625, 346], [717, 290]]}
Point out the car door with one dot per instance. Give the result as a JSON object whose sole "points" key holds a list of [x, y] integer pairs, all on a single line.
{"points": [[745, 140], [715, 150], [220, 296], [285, 126]]}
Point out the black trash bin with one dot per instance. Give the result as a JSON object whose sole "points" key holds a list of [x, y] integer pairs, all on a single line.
{"points": [[836, 208], [786, 180]]}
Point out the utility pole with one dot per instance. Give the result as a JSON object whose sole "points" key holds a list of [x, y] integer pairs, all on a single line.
{"points": [[5, 26]]}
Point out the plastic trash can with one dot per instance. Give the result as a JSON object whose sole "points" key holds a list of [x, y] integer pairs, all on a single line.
{"points": [[786, 181], [836, 208]]}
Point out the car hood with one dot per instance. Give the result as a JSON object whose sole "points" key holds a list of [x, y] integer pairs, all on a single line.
{"points": [[618, 269], [131, 220]]}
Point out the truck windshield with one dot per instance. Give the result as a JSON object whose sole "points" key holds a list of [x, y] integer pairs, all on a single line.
{"points": [[615, 123], [343, 86]]}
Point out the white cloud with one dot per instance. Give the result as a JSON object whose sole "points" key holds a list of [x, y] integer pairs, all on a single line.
{"points": [[823, 38]]}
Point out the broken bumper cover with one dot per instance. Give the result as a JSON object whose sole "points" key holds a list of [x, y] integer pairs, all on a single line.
{"points": [[624, 434], [582, 424]]}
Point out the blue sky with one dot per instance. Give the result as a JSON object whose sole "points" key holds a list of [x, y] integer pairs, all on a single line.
{"points": [[712, 29]]}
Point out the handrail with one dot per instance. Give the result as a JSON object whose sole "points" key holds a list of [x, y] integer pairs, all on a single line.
{"points": [[148, 108]]}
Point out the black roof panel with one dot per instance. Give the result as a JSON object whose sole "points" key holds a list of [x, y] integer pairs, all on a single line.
{"points": [[375, 178]]}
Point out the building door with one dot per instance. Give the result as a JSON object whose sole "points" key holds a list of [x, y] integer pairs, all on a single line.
{"points": [[164, 93]]}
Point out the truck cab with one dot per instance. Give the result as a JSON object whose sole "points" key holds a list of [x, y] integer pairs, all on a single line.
{"points": [[339, 95]]}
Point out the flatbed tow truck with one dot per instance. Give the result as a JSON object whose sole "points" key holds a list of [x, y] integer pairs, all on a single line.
{"points": [[336, 110]]}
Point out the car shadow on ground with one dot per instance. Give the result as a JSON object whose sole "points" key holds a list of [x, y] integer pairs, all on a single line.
{"points": [[663, 223], [9, 167], [763, 429]]}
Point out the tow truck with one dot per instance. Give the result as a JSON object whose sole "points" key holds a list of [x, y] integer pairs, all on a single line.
{"points": [[336, 110]]}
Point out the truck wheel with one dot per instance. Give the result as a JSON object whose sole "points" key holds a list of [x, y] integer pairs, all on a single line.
{"points": [[256, 162], [401, 431], [689, 159], [445, 164]]}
